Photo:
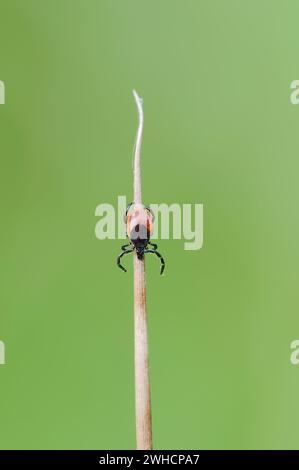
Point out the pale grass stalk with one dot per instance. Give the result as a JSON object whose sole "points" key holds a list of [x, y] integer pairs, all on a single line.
{"points": [[142, 382]]}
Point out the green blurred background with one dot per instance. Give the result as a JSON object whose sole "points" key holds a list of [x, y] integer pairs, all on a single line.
{"points": [[219, 130]]}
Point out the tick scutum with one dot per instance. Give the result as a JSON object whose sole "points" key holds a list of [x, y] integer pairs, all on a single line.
{"points": [[140, 238]]}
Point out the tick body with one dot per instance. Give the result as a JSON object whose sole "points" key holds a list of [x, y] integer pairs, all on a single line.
{"points": [[139, 226]]}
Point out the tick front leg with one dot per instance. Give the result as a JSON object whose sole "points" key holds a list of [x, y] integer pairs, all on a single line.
{"points": [[125, 246], [153, 245], [125, 252], [154, 252]]}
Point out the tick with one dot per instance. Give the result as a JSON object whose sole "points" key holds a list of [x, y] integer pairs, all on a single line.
{"points": [[139, 226]]}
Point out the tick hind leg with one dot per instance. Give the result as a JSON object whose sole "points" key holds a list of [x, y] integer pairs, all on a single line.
{"points": [[151, 212], [127, 210], [155, 252], [124, 252]]}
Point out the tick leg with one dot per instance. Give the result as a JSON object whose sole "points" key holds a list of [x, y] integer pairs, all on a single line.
{"points": [[127, 210], [153, 245], [154, 252], [125, 246], [151, 212], [125, 252]]}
